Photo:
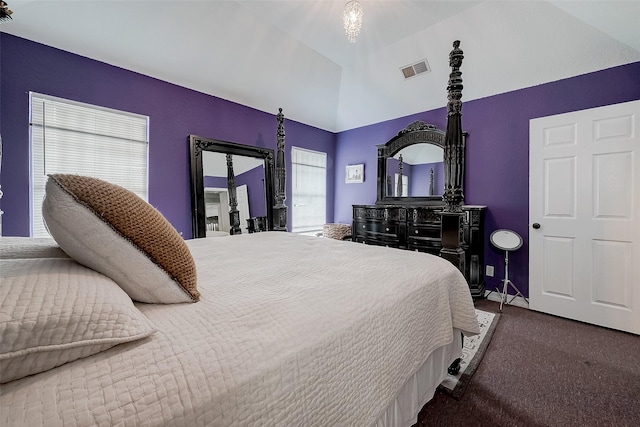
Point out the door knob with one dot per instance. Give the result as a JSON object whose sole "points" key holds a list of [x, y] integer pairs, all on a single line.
{"points": [[536, 225]]}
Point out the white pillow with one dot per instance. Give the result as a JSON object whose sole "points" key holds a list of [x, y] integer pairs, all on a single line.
{"points": [[54, 311], [30, 247], [111, 230]]}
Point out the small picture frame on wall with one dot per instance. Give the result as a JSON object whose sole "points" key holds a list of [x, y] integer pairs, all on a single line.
{"points": [[354, 174]]}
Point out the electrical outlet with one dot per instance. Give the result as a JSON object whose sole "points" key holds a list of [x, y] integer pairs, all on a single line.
{"points": [[489, 271]]}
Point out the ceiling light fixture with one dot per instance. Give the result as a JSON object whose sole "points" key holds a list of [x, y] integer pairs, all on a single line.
{"points": [[352, 19], [5, 12]]}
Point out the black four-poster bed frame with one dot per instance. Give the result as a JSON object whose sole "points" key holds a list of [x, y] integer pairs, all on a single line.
{"points": [[275, 171]]}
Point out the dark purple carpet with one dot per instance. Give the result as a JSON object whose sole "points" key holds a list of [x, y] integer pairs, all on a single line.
{"points": [[542, 370]]}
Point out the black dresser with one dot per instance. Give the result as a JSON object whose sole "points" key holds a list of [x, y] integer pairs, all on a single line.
{"points": [[417, 228]]}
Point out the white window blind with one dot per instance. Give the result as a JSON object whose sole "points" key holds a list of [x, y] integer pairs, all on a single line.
{"points": [[76, 138], [309, 188]]}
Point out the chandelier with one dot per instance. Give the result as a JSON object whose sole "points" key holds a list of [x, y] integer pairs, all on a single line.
{"points": [[5, 12], [352, 19]]}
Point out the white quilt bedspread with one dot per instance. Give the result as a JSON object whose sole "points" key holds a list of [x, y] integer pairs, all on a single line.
{"points": [[290, 331]]}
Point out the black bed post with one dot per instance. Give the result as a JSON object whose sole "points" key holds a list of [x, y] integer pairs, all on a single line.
{"points": [[280, 209], [453, 165], [399, 183], [234, 214]]}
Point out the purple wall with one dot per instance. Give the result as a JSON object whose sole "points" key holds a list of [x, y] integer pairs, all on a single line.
{"points": [[420, 179], [174, 112], [254, 179], [358, 146], [497, 146], [497, 172], [215, 181]]}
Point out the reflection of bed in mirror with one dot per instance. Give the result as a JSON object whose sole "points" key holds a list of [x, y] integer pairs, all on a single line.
{"points": [[232, 187], [249, 184], [416, 154], [422, 171]]}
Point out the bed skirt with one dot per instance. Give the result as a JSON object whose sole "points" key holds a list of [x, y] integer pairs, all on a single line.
{"points": [[421, 386]]}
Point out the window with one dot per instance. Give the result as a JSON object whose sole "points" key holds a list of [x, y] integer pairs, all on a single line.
{"points": [[309, 187], [405, 186], [70, 137]]}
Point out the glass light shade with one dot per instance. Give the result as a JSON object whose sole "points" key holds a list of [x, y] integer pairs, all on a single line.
{"points": [[352, 20]]}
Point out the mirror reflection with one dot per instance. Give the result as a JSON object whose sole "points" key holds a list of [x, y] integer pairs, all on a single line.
{"points": [[416, 171], [250, 190]]}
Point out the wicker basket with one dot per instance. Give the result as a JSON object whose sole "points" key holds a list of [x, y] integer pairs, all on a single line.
{"points": [[336, 231]]}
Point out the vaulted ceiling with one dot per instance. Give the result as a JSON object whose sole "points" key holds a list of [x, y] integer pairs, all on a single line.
{"points": [[294, 54]]}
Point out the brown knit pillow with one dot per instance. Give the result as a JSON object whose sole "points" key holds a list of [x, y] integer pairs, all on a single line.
{"points": [[111, 230]]}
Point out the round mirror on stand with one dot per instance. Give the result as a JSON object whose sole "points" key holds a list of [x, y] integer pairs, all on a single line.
{"points": [[508, 241]]}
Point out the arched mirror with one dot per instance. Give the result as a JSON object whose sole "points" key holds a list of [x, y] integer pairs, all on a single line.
{"points": [[411, 166], [231, 187], [416, 171]]}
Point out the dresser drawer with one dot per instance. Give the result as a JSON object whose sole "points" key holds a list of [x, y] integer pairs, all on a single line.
{"points": [[379, 239], [424, 244], [375, 227], [429, 231], [417, 241], [424, 215], [381, 214]]}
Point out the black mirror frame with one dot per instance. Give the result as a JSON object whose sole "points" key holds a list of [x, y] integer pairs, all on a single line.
{"points": [[415, 133], [197, 145]]}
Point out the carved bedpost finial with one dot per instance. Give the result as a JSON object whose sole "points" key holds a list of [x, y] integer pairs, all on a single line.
{"points": [[280, 209], [280, 119], [453, 146], [456, 55], [455, 80]]}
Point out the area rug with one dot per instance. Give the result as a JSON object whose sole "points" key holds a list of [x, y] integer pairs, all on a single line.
{"points": [[472, 351]]}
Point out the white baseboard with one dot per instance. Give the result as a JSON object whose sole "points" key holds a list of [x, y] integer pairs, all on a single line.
{"points": [[517, 301]]}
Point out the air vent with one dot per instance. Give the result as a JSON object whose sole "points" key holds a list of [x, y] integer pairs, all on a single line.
{"points": [[415, 69]]}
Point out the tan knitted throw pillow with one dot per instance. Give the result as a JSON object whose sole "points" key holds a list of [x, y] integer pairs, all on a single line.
{"points": [[111, 230]]}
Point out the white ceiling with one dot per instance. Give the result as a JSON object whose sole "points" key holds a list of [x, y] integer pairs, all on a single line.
{"points": [[294, 54], [418, 154], [215, 164]]}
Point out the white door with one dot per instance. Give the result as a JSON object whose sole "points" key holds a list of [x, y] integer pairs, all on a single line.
{"points": [[584, 193]]}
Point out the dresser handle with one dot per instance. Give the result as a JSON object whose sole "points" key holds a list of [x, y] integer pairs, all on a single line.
{"points": [[363, 226], [416, 231], [387, 229]]}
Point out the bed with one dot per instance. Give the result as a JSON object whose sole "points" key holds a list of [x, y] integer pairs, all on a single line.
{"points": [[314, 347], [118, 321]]}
